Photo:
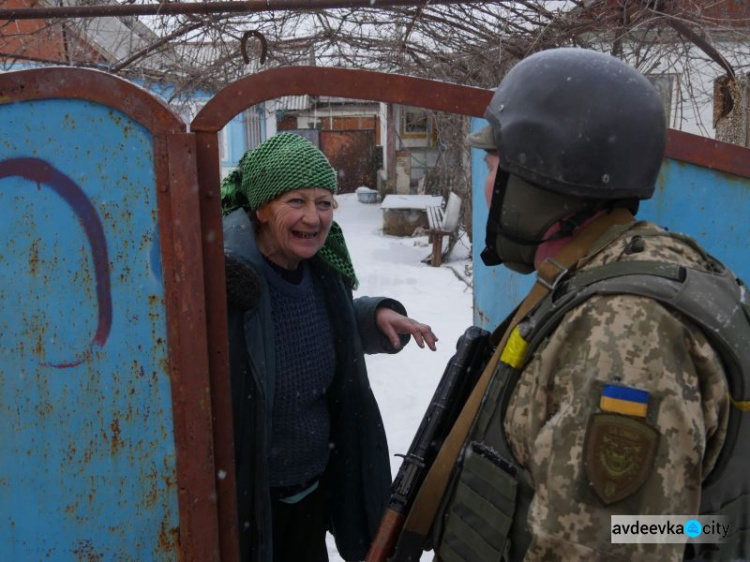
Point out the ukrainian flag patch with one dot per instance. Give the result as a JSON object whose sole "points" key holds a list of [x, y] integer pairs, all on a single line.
{"points": [[624, 400]]}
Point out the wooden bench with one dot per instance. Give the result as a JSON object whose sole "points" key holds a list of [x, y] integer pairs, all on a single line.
{"points": [[441, 222], [403, 214]]}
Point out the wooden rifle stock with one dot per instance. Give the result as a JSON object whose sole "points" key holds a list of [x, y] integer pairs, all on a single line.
{"points": [[385, 540], [458, 379]]}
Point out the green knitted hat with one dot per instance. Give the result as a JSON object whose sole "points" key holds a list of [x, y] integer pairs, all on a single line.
{"points": [[283, 163]]}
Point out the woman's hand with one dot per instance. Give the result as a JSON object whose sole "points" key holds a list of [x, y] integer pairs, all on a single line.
{"points": [[391, 323]]}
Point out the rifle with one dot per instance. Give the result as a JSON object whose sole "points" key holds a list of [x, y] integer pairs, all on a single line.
{"points": [[459, 377]]}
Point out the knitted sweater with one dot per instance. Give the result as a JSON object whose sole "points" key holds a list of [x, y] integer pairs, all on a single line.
{"points": [[305, 366]]}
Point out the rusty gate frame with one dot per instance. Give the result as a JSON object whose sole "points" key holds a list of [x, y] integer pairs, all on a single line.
{"points": [[241, 95], [177, 203]]}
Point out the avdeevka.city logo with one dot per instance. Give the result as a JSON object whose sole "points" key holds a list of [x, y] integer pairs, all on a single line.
{"points": [[693, 528], [669, 529]]}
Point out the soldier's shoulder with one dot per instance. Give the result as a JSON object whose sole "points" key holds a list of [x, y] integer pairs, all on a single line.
{"points": [[646, 241]]}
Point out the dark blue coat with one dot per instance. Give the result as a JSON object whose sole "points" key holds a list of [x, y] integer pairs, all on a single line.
{"points": [[358, 471]]}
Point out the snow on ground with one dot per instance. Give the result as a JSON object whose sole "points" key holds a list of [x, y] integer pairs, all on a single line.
{"points": [[439, 296]]}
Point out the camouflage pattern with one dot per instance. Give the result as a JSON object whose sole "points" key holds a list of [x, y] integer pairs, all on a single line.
{"points": [[633, 341]]}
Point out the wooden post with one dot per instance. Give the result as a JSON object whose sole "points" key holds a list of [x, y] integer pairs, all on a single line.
{"points": [[437, 249]]}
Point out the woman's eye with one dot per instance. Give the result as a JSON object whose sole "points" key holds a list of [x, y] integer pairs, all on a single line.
{"points": [[296, 202], [324, 205]]}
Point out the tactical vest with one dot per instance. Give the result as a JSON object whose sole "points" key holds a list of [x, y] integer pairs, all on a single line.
{"points": [[467, 530]]}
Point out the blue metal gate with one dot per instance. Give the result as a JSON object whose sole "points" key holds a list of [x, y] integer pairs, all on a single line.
{"points": [[94, 278]]}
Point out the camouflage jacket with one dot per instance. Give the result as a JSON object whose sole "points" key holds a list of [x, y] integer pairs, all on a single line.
{"points": [[624, 340]]}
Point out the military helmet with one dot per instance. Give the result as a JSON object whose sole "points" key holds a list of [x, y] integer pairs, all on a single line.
{"points": [[580, 123]]}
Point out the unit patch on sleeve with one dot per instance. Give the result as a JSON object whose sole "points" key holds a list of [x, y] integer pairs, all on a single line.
{"points": [[618, 455]]}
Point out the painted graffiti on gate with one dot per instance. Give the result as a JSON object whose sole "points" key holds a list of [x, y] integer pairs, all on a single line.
{"points": [[43, 173]]}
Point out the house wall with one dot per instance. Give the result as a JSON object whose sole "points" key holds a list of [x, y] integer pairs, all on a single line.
{"points": [[339, 118], [693, 92], [15, 38], [36, 40], [287, 123], [731, 109], [383, 123], [686, 75], [416, 151]]}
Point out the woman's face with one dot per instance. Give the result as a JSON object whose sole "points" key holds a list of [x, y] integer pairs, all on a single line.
{"points": [[294, 226]]}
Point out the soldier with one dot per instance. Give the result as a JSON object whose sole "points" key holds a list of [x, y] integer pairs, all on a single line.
{"points": [[622, 376]]}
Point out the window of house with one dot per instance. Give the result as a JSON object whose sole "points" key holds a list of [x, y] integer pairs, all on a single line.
{"points": [[253, 127], [415, 123]]}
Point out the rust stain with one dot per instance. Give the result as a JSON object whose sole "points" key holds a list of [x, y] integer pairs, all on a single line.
{"points": [[88, 453], [71, 453], [115, 116], [155, 304], [69, 121], [126, 273], [169, 482], [85, 552], [169, 539], [34, 257], [39, 345], [150, 496], [115, 442]]}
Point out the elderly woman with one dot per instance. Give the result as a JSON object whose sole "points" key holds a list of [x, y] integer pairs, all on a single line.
{"points": [[311, 452]]}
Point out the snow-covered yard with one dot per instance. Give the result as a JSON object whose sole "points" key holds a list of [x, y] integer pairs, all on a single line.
{"points": [[439, 296]]}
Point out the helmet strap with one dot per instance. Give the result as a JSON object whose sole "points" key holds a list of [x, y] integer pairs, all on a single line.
{"points": [[489, 254]]}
